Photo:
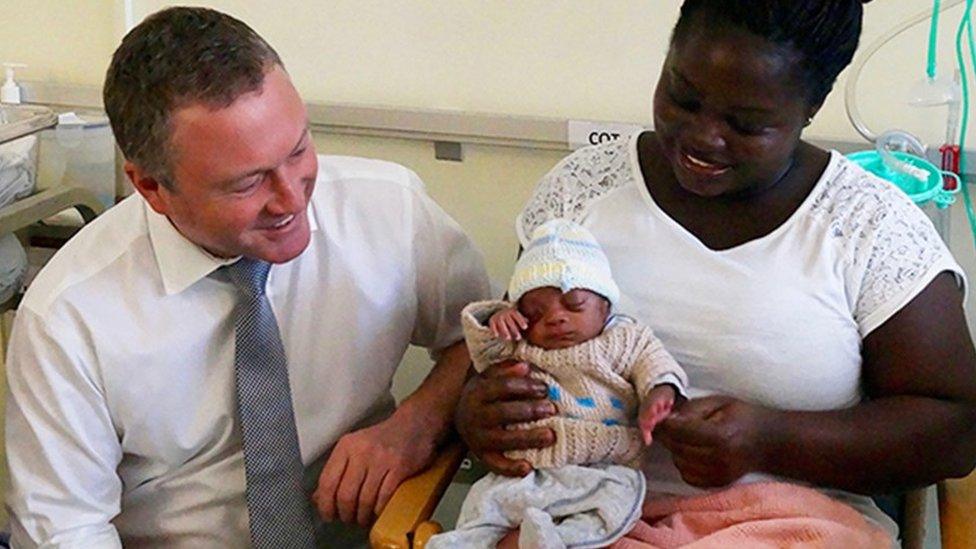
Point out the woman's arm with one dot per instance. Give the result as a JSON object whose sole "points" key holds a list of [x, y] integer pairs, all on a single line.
{"points": [[500, 396], [918, 425]]}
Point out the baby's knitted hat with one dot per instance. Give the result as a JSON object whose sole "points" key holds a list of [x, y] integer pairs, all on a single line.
{"points": [[565, 255]]}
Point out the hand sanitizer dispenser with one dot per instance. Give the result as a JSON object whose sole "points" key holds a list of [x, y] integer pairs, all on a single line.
{"points": [[10, 91]]}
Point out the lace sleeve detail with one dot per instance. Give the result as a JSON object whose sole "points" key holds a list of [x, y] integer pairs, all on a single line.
{"points": [[893, 249], [577, 181]]}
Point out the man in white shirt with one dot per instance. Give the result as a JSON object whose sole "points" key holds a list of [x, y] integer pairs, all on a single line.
{"points": [[124, 419]]}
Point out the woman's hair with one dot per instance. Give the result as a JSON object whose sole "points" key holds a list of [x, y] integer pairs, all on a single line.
{"points": [[824, 33]]}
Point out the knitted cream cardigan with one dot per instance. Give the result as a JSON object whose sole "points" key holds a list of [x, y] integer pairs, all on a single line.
{"points": [[596, 386]]}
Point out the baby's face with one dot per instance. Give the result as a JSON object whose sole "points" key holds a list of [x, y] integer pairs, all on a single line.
{"points": [[558, 320]]}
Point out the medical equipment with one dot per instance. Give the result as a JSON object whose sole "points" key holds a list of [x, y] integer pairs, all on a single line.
{"points": [[906, 166], [931, 91], [898, 156]]}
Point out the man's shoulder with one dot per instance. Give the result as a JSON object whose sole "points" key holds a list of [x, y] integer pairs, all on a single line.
{"points": [[96, 247], [338, 170], [375, 190]]}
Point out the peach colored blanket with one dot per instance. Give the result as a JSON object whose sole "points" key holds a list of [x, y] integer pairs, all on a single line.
{"points": [[754, 515]]}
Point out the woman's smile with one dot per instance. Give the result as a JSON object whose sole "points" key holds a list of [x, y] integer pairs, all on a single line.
{"points": [[700, 166]]}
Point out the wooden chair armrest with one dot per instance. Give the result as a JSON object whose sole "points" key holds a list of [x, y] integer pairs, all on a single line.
{"points": [[425, 531], [957, 507], [414, 501]]}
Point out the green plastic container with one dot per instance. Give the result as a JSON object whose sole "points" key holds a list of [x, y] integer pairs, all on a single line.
{"points": [[923, 192]]}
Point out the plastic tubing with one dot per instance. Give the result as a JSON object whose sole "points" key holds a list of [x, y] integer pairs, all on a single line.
{"points": [[933, 41], [965, 25], [850, 89]]}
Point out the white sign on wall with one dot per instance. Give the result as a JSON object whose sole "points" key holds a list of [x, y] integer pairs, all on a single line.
{"points": [[582, 133]]}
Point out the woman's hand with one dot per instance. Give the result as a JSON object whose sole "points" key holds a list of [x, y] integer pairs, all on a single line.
{"points": [[503, 395], [715, 440]]}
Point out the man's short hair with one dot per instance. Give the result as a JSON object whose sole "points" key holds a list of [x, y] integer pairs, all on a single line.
{"points": [[174, 58]]}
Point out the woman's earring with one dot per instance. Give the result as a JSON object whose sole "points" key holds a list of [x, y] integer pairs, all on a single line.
{"points": [[808, 122]]}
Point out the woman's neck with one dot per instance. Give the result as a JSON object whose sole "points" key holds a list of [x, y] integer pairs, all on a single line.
{"points": [[733, 219]]}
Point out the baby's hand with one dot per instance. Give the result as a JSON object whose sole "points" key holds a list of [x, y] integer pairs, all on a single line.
{"points": [[508, 324], [656, 406]]}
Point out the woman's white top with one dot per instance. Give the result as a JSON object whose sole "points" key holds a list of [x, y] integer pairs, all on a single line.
{"points": [[778, 320]]}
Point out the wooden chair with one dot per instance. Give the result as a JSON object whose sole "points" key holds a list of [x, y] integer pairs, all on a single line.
{"points": [[957, 507], [406, 521]]}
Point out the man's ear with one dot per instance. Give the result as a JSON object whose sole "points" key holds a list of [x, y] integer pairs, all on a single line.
{"points": [[149, 187]]}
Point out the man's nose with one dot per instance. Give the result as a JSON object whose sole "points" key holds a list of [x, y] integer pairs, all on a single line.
{"points": [[289, 193]]}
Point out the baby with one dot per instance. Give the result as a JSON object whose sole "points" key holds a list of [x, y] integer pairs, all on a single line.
{"points": [[610, 378]]}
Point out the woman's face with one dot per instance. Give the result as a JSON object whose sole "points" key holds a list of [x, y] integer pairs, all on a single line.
{"points": [[728, 111]]}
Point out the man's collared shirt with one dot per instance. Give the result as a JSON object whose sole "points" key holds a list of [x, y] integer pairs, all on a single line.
{"points": [[121, 419]]}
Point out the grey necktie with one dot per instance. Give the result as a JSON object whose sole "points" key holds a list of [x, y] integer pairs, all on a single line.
{"points": [[279, 511]]}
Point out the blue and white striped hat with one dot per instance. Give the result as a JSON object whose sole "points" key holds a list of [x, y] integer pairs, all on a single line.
{"points": [[565, 255]]}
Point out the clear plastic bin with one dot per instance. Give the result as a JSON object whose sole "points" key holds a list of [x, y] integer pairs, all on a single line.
{"points": [[80, 154]]}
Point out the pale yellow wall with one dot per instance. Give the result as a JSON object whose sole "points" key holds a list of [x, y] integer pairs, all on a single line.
{"points": [[540, 57], [483, 193], [67, 41], [566, 59]]}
